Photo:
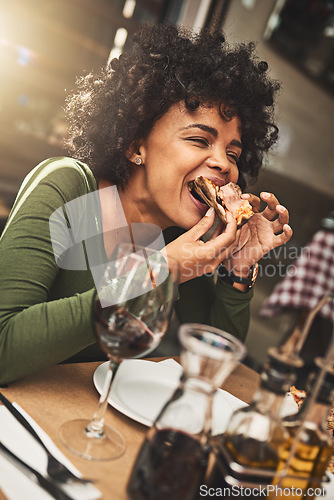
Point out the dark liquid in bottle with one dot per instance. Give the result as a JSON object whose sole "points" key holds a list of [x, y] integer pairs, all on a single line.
{"points": [[248, 453], [171, 466], [120, 333], [253, 453]]}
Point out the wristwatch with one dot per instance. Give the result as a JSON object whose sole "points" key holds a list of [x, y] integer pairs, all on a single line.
{"points": [[233, 278]]}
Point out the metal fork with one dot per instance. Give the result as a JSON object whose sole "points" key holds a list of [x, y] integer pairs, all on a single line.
{"points": [[47, 484], [55, 469]]}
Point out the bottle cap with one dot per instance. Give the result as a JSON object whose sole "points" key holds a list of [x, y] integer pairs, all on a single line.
{"points": [[326, 391], [277, 377]]}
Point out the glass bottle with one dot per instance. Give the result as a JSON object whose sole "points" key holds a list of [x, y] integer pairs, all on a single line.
{"points": [[247, 454], [313, 447], [173, 459]]}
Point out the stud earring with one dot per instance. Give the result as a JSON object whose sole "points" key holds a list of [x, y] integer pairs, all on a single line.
{"points": [[138, 161]]}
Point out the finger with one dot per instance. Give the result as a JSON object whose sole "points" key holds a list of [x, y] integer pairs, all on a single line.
{"points": [[220, 228], [220, 245], [203, 225], [282, 238], [270, 211], [283, 218], [253, 200]]}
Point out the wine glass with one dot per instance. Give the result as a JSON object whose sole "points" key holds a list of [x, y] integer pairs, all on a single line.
{"points": [[132, 308]]}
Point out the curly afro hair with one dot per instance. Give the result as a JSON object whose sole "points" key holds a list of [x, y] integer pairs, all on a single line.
{"points": [[116, 107]]}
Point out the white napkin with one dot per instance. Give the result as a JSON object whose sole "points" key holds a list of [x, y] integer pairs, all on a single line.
{"points": [[14, 483]]}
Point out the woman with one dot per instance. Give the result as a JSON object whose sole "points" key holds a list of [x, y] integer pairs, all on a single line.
{"points": [[173, 107]]}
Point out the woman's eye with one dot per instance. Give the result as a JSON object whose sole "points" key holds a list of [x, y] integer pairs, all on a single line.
{"points": [[199, 140], [233, 157]]}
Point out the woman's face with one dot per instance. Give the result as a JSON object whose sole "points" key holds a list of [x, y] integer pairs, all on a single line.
{"points": [[182, 145]]}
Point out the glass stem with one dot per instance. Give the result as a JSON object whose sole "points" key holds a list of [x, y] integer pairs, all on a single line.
{"points": [[95, 427]]}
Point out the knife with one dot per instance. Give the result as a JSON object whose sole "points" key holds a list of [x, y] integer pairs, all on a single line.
{"points": [[47, 484]]}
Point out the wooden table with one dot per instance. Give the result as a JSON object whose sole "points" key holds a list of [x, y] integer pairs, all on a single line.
{"points": [[66, 391]]}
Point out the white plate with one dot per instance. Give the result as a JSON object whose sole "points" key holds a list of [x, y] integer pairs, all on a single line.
{"points": [[141, 388]]}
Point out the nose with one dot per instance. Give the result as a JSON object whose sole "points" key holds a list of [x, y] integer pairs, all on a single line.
{"points": [[219, 162]]}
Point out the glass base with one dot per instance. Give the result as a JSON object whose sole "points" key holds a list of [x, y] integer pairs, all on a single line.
{"points": [[77, 438]]}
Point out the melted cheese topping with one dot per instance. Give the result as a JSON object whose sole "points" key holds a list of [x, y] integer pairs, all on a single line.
{"points": [[244, 212]]}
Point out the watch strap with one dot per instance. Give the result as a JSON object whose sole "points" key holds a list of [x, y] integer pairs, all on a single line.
{"points": [[233, 278]]}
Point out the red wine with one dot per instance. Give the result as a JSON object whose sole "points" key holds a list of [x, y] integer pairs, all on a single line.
{"points": [[121, 334], [171, 466]]}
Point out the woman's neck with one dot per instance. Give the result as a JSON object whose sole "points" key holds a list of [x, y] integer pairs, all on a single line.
{"points": [[122, 208]]}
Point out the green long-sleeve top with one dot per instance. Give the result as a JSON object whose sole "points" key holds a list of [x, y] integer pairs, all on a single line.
{"points": [[45, 309]]}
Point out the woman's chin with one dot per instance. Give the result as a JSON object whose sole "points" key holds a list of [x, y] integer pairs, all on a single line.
{"points": [[189, 214], [190, 221]]}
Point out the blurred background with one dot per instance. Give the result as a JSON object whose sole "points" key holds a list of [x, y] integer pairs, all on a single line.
{"points": [[45, 45]]}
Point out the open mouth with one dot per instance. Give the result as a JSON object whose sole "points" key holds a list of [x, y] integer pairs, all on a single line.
{"points": [[222, 199], [195, 194], [204, 192]]}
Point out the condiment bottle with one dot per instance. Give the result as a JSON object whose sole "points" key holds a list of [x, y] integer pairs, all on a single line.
{"points": [[247, 454], [313, 449], [173, 459]]}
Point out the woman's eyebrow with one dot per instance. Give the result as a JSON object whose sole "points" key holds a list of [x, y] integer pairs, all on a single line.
{"points": [[236, 143], [205, 128]]}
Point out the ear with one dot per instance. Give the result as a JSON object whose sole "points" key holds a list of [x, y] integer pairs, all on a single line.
{"points": [[135, 152]]}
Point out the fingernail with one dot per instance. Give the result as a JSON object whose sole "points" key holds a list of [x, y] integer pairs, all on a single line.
{"points": [[265, 194], [245, 196], [209, 212], [281, 208]]}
